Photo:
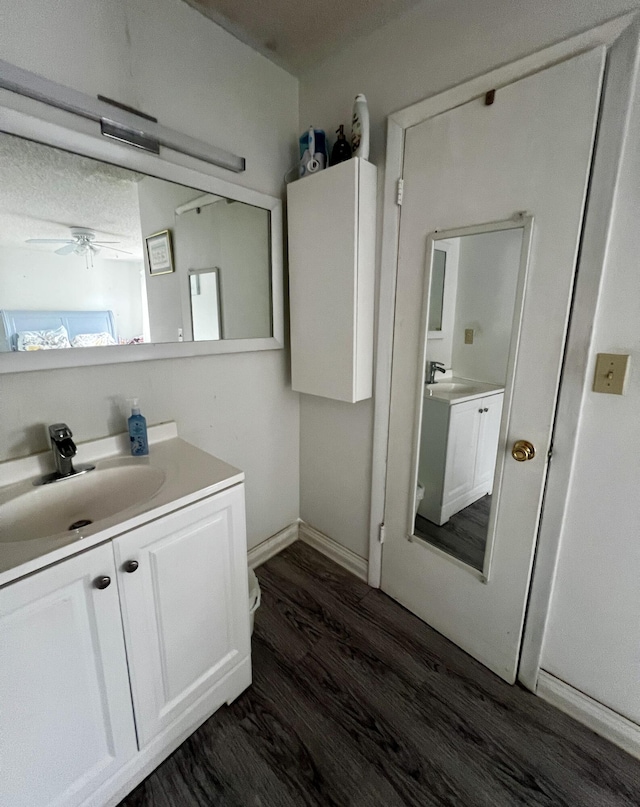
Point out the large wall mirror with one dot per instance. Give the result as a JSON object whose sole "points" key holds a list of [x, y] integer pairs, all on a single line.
{"points": [[101, 263]]}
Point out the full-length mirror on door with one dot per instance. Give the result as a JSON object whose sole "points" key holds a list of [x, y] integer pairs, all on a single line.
{"points": [[473, 292]]}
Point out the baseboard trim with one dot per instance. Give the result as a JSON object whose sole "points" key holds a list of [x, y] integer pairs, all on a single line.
{"points": [[599, 718], [332, 549], [271, 546]]}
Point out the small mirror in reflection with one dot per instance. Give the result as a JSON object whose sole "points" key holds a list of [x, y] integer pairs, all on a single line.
{"points": [[473, 302], [204, 287]]}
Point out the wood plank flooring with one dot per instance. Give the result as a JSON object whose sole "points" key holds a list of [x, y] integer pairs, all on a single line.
{"points": [[357, 703], [465, 534]]}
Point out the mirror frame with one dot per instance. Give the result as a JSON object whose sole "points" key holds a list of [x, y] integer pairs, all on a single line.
{"points": [[519, 221], [66, 131]]}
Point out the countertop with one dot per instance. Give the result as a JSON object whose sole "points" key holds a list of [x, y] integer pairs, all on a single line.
{"points": [[475, 389], [190, 475]]}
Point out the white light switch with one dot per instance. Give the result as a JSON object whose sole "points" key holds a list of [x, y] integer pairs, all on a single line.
{"points": [[611, 373]]}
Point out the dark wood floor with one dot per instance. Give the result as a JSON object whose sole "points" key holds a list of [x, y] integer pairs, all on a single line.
{"points": [[465, 534], [357, 703]]}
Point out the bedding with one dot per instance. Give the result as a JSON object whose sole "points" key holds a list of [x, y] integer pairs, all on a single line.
{"points": [[43, 340], [45, 330], [93, 340]]}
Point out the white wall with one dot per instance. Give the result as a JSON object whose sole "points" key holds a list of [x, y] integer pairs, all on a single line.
{"points": [[171, 62], [592, 640], [37, 279], [429, 49], [488, 269], [158, 200], [235, 238]]}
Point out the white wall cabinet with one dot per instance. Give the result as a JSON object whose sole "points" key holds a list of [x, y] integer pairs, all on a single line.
{"points": [[331, 221], [176, 599], [458, 449]]}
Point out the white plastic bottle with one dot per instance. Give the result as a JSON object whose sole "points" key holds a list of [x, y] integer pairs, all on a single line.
{"points": [[360, 128]]}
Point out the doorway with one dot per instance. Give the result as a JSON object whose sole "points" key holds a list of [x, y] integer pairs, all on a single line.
{"points": [[488, 181]]}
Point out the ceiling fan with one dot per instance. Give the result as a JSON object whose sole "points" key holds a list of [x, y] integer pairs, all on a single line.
{"points": [[82, 242]]}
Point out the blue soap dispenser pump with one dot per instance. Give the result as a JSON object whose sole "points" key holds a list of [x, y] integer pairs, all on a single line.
{"points": [[138, 431]]}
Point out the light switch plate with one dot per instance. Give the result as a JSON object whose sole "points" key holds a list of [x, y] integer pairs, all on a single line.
{"points": [[611, 373], [468, 336]]}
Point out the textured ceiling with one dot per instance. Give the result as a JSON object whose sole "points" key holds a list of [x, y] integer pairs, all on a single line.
{"points": [[297, 34], [44, 192]]}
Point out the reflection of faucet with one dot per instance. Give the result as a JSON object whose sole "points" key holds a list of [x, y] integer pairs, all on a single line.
{"points": [[64, 450], [435, 367]]}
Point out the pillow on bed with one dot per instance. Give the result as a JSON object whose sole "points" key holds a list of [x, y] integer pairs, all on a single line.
{"points": [[44, 340], [93, 340]]}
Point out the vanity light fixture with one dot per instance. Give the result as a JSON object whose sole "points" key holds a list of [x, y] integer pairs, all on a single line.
{"points": [[116, 120]]}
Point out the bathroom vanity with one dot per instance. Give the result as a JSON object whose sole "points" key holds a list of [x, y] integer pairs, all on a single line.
{"points": [[118, 638], [458, 445]]}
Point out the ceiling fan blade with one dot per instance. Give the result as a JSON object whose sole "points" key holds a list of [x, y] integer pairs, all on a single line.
{"points": [[67, 249], [99, 243], [116, 249], [49, 241]]}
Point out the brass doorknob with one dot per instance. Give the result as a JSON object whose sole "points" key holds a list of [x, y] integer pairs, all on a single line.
{"points": [[522, 451]]}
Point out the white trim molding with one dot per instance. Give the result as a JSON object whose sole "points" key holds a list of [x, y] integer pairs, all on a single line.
{"points": [[599, 718], [271, 546], [334, 551]]}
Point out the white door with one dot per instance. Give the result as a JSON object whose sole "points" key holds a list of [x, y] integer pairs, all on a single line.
{"points": [[529, 151], [65, 707], [183, 584]]}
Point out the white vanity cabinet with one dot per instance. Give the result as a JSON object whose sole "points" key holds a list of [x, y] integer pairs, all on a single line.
{"points": [[110, 658], [66, 723], [183, 586], [459, 443]]}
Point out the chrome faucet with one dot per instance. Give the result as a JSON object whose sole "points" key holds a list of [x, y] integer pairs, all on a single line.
{"points": [[63, 447], [435, 367], [64, 450]]}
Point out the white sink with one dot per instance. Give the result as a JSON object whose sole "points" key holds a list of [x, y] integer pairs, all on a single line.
{"points": [[28, 513], [454, 386]]}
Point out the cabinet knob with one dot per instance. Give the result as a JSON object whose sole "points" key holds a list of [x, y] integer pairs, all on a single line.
{"points": [[486, 409], [130, 566], [102, 582], [522, 451], [480, 410]]}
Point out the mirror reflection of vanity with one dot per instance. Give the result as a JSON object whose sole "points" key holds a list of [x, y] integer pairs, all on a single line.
{"points": [[474, 282], [96, 256]]}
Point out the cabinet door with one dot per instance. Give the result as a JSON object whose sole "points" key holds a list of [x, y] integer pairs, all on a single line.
{"points": [[464, 423], [488, 434], [185, 607], [65, 704]]}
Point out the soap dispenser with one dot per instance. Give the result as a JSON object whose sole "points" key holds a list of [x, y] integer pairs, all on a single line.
{"points": [[138, 431]]}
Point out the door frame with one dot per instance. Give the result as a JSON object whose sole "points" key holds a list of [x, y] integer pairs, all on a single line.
{"points": [[621, 37]]}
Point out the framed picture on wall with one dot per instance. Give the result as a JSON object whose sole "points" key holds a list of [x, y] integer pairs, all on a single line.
{"points": [[159, 253]]}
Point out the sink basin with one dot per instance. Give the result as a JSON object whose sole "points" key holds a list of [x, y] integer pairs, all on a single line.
{"points": [[453, 386], [28, 513]]}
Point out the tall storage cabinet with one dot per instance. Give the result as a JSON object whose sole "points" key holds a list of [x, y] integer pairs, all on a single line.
{"points": [[332, 218]]}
